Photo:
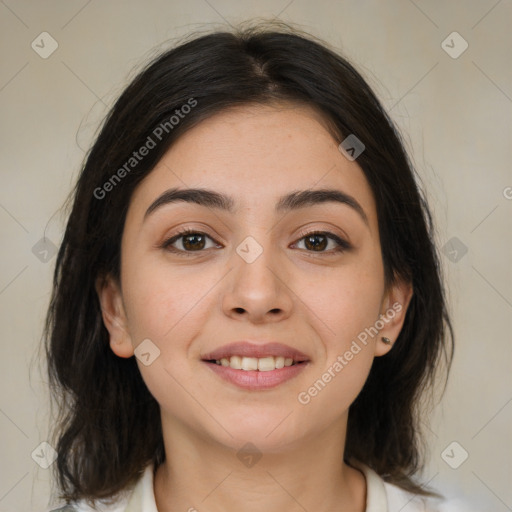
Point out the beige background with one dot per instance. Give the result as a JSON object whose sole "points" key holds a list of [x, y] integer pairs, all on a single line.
{"points": [[456, 115]]}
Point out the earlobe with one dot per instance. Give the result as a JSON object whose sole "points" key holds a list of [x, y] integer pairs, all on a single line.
{"points": [[394, 308], [114, 317]]}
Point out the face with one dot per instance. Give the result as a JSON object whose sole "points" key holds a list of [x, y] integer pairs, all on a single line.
{"points": [[254, 273]]}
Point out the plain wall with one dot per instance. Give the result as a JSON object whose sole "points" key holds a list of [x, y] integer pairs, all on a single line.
{"points": [[456, 116]]}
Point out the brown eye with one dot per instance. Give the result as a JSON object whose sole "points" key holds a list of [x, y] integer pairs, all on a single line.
{"points": [[318, 241], [188, 241], [193, 242]]}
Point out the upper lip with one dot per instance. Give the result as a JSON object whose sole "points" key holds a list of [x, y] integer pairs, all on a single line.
{"points": [[258, 350]]}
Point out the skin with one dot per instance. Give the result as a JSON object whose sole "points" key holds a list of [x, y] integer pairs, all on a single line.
{"points": [[317, 302]]}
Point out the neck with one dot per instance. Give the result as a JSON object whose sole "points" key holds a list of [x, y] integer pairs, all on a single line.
{"points": [[309, 474]]}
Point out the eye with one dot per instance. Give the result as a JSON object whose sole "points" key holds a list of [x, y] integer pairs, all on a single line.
{"points": [[188, 241], [318, 241]]}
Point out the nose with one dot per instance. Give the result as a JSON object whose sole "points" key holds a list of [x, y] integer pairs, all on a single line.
{"points": [[257, 292]]}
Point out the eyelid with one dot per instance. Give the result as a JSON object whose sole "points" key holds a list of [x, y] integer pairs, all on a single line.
{"points": [[342, 244], [181, 233]]}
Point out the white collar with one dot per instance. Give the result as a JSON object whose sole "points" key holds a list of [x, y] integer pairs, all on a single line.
{"points": [[376, 496]]}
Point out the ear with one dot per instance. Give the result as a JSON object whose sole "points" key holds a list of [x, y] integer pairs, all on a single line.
{"points": [[114, 316], [393, 309]]}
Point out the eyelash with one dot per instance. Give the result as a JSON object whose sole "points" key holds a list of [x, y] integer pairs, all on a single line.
{"points": [[343, 245]]}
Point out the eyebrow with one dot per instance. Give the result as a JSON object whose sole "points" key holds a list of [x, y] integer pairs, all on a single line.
{"points": [[293, 201]]}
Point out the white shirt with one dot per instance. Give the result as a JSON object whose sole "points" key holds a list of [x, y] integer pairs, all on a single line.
{"points": [[380, 497]]}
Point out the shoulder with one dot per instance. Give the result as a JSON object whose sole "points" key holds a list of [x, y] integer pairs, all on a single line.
{"points": [[100, 505], [81, 506], [403, 501], [383, 496], [138, 498]]}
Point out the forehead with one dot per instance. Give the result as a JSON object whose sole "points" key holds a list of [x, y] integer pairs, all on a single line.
{"points": [[257, 154]]}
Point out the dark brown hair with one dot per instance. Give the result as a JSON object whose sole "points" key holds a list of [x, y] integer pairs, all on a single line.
{"points": [[108, 428]]}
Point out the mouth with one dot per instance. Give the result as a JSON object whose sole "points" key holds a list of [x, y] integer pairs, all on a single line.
{"points": [[256, 367], [246, 355], [249, 378], [260, 364]]}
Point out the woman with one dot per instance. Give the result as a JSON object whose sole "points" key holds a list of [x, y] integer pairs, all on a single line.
{"points": [[247, 302]]}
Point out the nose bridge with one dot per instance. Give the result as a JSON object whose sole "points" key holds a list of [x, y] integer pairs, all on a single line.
{"points": [[255, 263], [257, 282]]}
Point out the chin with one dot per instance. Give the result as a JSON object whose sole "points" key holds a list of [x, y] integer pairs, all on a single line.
{"points": [[270, 433]]}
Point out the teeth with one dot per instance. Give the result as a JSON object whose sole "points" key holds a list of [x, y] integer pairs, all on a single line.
{"points": [[235, 362], [263, 364], [266, 364], [250, 363]]}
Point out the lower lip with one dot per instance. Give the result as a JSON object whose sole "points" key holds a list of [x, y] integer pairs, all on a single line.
{"points": [[254, 379]]}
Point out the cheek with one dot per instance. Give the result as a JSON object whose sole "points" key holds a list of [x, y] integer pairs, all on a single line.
{"points": [[350, 308], [334, 388], [160, 297], [347, 307], [346, 301], [168, 305]]}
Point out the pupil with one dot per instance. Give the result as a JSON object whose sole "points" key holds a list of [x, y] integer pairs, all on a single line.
{"points": [[194, 245], [322, 245], [196, 241]]}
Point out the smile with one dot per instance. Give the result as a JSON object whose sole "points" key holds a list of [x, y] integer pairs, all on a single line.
{"points": [[262, 364], [250, 377]]}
